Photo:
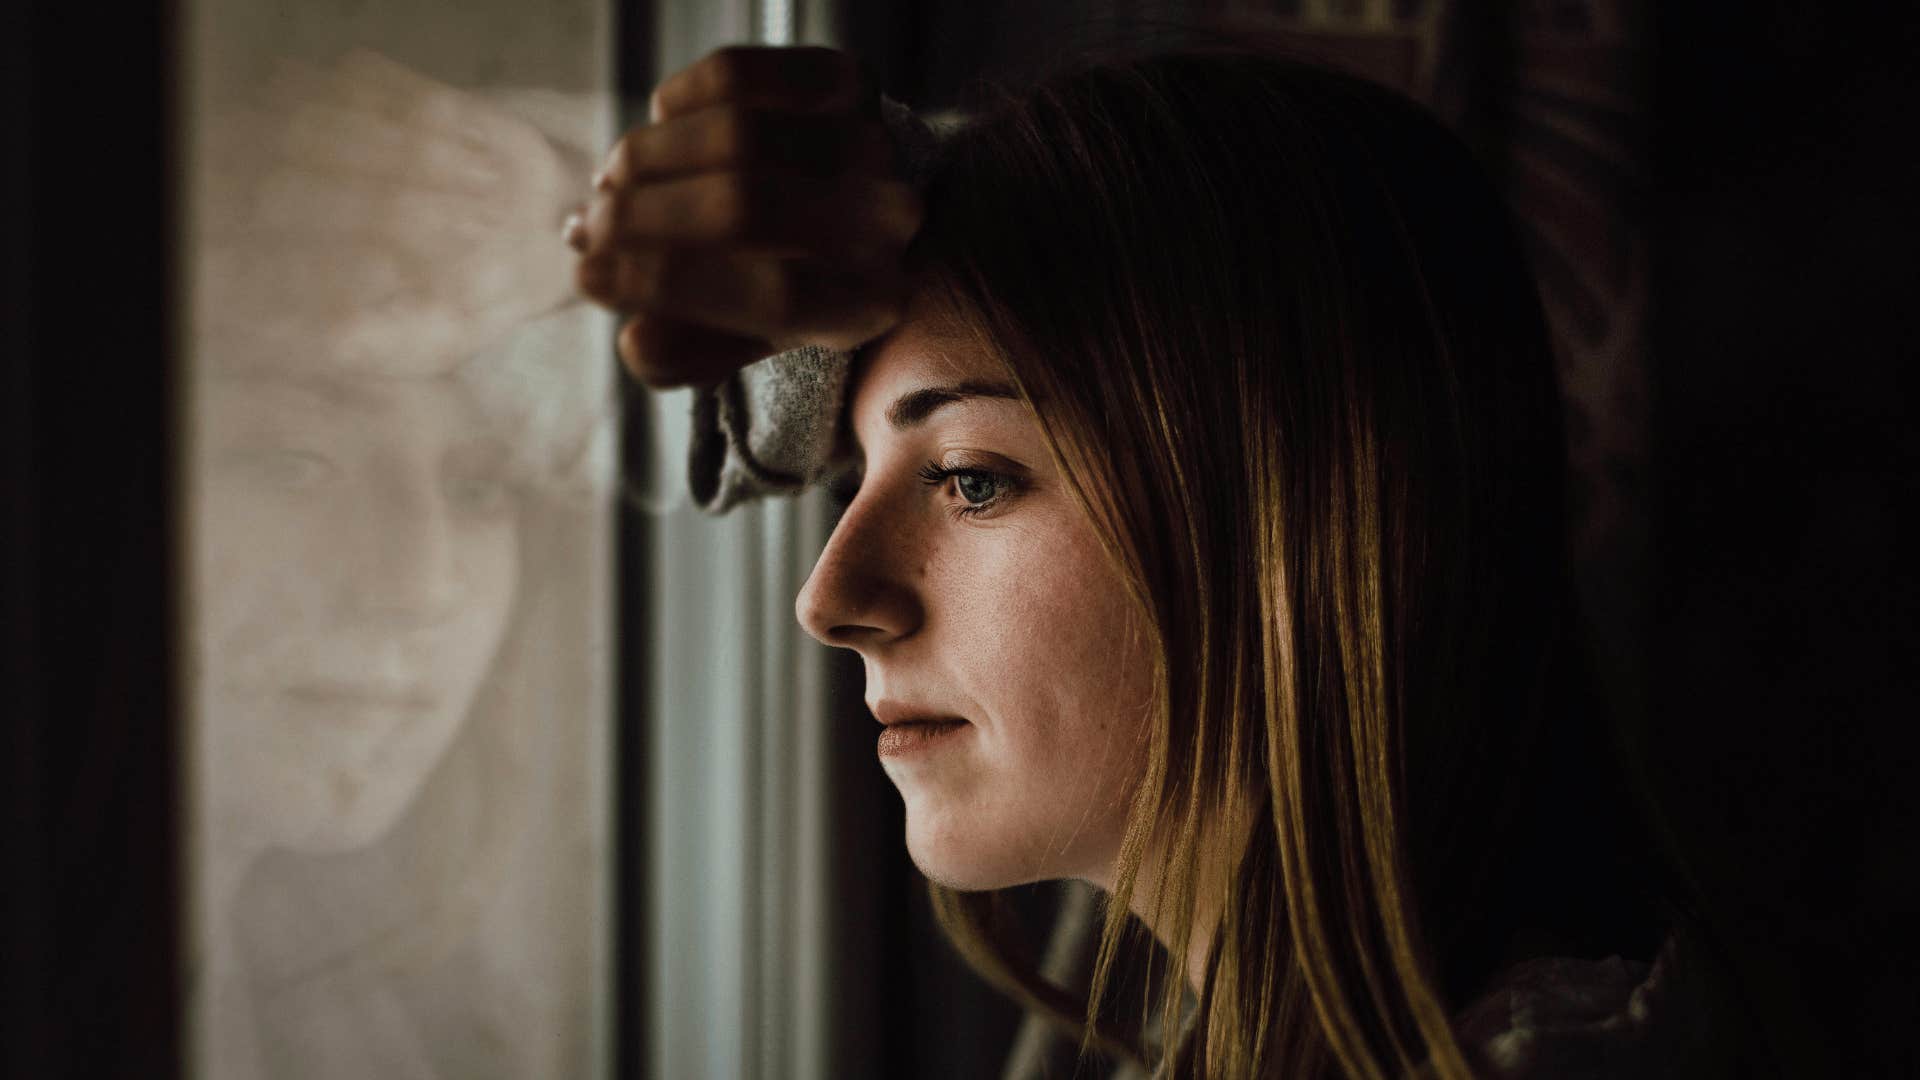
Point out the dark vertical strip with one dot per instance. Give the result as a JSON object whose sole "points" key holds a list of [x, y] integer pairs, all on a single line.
{"points": [[92, 911], [1475, 88], [632, 851], [633, 36], [24, 903], [1782, 673]]}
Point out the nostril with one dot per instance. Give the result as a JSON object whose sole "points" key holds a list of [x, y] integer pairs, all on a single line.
{"points": [[851, 635], [854, 619]]}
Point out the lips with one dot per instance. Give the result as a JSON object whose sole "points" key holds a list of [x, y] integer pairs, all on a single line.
{"points": [[911, 729], [897, 714]]}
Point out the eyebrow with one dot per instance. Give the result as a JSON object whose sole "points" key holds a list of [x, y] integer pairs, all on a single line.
{"points": [[914, 406]]}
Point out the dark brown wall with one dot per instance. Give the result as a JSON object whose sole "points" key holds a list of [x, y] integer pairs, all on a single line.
{"points": [[89, 909], [1784, 461]]}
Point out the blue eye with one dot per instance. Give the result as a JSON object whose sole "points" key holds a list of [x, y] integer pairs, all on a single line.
{"points": [[977, 488], [980, 490]]}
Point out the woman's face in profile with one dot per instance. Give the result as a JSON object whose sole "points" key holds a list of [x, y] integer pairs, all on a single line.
{"points": [[357, 548], [974, 589]]}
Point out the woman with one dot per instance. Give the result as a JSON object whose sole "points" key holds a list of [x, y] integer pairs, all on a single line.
{"points": [[1207, 543], [395, 499]]}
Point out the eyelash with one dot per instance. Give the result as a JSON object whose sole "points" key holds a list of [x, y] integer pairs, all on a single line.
{"points": [[933, 474]]}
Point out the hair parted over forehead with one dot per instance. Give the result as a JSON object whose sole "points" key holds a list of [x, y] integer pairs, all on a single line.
{"points": [[1278, 332]]}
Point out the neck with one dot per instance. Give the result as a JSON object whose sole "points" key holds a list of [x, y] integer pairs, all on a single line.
{"points": [[1217, 860]]}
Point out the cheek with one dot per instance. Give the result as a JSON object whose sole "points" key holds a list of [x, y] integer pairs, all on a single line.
{"points": [[264, 566], [1087, 678], [490, 567], [489, 560], [1048, 620], [1053, 654]]}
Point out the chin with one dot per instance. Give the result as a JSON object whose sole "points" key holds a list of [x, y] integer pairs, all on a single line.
{"points": [[337, 807], [346, 825], [948, 853]]}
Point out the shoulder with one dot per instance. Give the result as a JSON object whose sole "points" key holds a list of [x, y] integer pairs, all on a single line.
{"points": [[1581, 1019]]}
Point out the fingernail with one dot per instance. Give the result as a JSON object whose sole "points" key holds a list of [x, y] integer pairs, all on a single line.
{"points": [[574, 231], [603, 176]]}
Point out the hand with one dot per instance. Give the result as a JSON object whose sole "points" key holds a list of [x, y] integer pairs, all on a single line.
{"points": [[364, 217], [760, 210]]}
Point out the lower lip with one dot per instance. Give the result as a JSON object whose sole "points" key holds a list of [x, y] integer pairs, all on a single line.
{"points": [[903, 739]]}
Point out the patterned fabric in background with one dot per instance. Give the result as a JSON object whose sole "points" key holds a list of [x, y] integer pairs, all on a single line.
{"points": [[1552, 97]]}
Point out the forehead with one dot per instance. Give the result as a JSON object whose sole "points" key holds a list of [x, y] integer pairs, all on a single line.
{"points": [[930, 347]]}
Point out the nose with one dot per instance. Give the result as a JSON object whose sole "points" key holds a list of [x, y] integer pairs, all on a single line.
{"points": [[408, 567], [858, 596]]}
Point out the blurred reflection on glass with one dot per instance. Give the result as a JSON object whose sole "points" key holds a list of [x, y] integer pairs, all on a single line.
{"points": [[401, 438]]}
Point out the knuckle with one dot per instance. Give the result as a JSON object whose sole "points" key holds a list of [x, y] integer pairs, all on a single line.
{"points": [[670, 275], [726, 69], [594, 278], [613, 213], [734, 136], [643, 358], [822, 70], [730, 206]]}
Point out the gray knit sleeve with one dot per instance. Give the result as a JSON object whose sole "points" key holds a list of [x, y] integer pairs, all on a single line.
{"points": [[773, 426]]}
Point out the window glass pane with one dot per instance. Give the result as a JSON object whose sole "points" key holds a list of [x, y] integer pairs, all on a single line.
{"points": [[399, 542]]}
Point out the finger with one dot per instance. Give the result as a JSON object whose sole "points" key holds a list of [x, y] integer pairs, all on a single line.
{"points": [[805, 78], [766, 212], [783, 301], [731, 136], [663, 353]]}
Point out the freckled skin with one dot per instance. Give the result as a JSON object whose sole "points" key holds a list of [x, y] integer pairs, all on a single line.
{"points": [[1012, 620]]}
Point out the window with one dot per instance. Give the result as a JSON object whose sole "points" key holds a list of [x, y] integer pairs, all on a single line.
{"points": [[398, 489]]}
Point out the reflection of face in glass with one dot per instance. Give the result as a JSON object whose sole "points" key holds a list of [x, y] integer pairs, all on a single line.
{"points": [[357, 545]]}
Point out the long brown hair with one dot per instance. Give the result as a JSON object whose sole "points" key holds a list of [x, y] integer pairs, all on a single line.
{"points": [[1278, 334]]}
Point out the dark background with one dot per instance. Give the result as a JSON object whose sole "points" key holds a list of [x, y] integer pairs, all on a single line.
{"points": [[1720, 202]]}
